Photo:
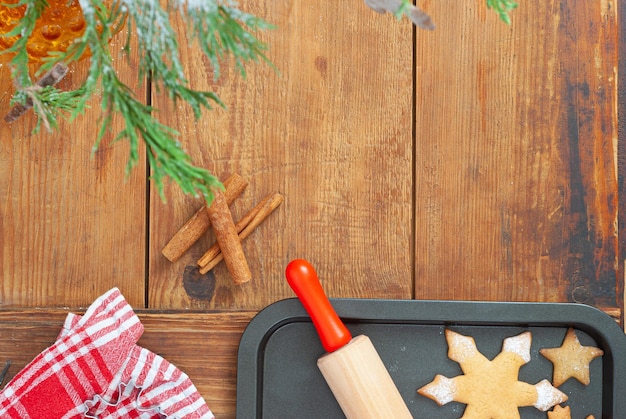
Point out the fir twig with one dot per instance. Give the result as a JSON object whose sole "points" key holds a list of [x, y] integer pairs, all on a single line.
{"points": [[217, 25], [220, 29], [52, 77], [403, 9], [55, 103], [502, 7], [19, 63]]}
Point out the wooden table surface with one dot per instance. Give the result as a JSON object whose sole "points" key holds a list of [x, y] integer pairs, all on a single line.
{"points": [[476, 162]]}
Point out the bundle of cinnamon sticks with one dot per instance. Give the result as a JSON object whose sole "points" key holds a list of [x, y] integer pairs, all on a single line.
{"points": [[228, 234]]}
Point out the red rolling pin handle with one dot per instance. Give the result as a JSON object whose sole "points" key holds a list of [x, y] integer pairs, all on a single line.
{"points": [[303, 279]]}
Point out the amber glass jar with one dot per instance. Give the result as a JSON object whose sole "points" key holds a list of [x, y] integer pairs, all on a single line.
{"points": [[59, 25]]}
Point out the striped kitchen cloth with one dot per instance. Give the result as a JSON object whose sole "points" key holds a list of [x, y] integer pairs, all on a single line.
{"points": [[96, 370]]}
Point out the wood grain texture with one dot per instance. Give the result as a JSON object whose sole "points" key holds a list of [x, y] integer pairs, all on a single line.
{"points": [[203, 345], [621, 151], [516, 139], [330, 130], [71, 224], [487, 166]]}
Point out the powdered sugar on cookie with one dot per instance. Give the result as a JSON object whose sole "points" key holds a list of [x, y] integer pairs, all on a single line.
{"points": [[519, 345], [491, 389], [548, 396]]}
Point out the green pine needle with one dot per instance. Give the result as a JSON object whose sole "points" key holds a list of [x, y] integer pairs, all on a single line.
{"points": [[51, 103], [502, 8], [403, 9], [19, 62]]}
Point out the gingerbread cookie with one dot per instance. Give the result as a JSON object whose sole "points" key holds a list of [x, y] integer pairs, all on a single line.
{"points": [[563, 413], [491, 389], [571, 359], [560, 413]]}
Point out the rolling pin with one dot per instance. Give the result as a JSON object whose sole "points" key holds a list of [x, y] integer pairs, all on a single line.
{"points": [[352, 368]]}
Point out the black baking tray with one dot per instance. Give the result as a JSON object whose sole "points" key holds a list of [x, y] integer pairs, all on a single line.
{"points": [[277, 374]]}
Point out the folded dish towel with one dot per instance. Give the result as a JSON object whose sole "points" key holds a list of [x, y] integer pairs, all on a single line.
{"points": [[96, 370]]}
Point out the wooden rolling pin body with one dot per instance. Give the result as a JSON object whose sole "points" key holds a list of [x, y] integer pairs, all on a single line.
{"points": [[360, 382], [352, 368]]}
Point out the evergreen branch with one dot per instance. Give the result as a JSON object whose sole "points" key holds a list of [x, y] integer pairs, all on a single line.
{"points": [[54, 103], [19, 62], [166, 157], [221, 29], [156, 40], [52, 77], [502, 7], [159, 59], [403, 9]]}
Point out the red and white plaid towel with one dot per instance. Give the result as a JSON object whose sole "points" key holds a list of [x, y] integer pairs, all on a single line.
{"points": [[96, 370]]}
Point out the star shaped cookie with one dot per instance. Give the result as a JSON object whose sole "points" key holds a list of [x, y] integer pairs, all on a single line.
{"points": [[562, 413], [571, 359], [491, 389]]}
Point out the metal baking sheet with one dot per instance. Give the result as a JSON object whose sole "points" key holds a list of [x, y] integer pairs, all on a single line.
{"points": [[278, 376]]}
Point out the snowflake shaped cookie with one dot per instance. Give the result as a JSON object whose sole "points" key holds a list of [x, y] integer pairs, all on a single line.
{"points": [[491, 389]]}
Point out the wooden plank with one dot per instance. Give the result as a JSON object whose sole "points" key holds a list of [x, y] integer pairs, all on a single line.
{"points": [[330, 130], [71, 224], [203, 345], [621, 151], [516, 140]]}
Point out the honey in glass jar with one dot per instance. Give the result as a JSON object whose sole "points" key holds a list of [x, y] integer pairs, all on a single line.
{"points": [[58, 26]]}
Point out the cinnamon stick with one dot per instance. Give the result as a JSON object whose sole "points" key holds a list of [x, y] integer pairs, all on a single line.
{"points": [[214, 250], [199, 223], [228, 240], [52, 77], [244, 227]]}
